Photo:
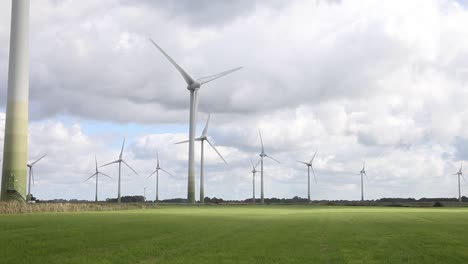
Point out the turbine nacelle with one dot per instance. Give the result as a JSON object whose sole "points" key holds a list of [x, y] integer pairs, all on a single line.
{"points": [[201, 138], [194, 86]]}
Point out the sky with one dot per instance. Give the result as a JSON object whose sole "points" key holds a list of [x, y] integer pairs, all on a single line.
{"points": [[383, 82]]}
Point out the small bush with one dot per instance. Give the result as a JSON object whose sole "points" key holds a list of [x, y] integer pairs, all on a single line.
{"points": [[437, 204]]}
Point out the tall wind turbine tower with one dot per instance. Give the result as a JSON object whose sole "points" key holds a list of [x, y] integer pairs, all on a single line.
{"points": [[254, 171], [309, 167], [262, 155], [362, 173], [460, 173], [202, 139], [193, 86], [16, 125]]}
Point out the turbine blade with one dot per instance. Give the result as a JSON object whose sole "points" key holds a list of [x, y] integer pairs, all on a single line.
{"points": [[205, 130], [313, 157], [261, 140], [167, 172], [105, 175], [303, 162], [109, 163], [313, 172], [463, 177], [95, 159], [157, 159], [213, 77], [219, 154], [36, 161], [251, 162], [129, 167], [90, 177], [181, 142], [32, 176], [121, 151], [272, 158], [188, 79], [152, 174], [258, 163]]}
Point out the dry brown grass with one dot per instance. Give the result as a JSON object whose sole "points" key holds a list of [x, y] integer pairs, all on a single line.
{"points": [[21, 208]]}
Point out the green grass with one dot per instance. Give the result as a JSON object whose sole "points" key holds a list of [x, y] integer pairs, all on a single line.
{"points": [[238, 234]]}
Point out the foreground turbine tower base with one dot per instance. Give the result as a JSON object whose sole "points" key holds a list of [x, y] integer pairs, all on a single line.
{"points": [[191, 161], [14, 169]]}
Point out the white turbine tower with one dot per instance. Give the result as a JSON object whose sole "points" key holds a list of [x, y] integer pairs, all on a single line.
{"points": [[156, 171], [309, 167], [96, 174], [31, 175], [459, 173], [193, 86], [254, 171], [262, 155], [120, 161], [15, 140], [362, 173], [144, 193], [202, 139]]}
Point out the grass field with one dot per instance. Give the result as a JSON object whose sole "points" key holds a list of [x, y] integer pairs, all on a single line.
{"points": [[238, 234]]}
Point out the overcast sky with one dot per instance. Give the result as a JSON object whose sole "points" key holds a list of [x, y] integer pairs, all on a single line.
{"points": [[380, 81]]}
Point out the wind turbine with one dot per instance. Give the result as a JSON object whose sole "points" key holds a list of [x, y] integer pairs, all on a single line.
{"points": [[309, 167], [97, 178], [158, 168], [193, 86], [459, 173], [362, 173], [31, 175], [120, 161], [262, 155], [254, 170], [144, 193], [202, 139]]}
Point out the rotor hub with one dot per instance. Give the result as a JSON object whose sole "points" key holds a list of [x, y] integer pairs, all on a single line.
{"points": [[194, 86]]}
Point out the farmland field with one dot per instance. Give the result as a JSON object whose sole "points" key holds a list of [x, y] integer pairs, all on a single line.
{"points": [[239, 234]]}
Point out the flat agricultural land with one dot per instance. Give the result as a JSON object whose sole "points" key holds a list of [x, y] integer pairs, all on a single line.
{"points": [[238, 234]]}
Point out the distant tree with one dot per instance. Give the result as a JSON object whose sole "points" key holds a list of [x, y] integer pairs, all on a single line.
{"points": [[133, 199]]}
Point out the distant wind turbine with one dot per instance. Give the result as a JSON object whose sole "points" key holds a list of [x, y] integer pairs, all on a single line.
{"points": [[254, 171], [157, 169], [120, 161], [459, 173], [262, 155], [362, 173], [31, 175], [144, 193], [309, 167], [193, 86], [202, 139], [96, 174]]}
